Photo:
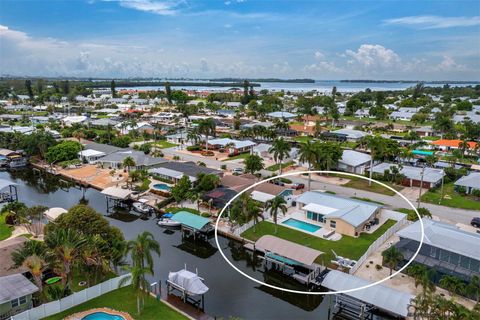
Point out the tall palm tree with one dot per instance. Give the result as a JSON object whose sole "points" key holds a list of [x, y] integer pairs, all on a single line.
{"points": [[280, 149], [308, 154], [473, 288], [66, 246], [139, 282], [253, 212], [36, 265], [452, 284], [423, 277], [128, 162], [206, 127], [274, 205], [32, 255], [141, 250], [392, 257]]}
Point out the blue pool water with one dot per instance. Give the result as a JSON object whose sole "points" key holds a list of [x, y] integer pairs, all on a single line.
{"points": [[305, 226], [161, 186], [102, 316]]}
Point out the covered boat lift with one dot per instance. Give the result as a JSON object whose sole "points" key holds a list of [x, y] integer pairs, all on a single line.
{"points": [[8, 196], [53, 213], [190, 285], [116, 196], [362, 304], [193, 224], [291, 258]]}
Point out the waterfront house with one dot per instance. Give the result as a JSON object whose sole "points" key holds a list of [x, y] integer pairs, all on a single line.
{"points": [[281, 115], [446, 248], [354, 161], [69, 120], [142, 161], [174, 171], [350, 134], [8, 267], [93, 151], [447, 145], [345, 216], [413, 176], [103, 122], [13, 159], [470, 182], [267, 191], [15, 295]]}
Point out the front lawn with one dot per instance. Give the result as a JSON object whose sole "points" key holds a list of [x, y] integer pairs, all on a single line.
{"points": [[276, 167], [302, 139], [451, 198], [163, 144], [348, 247], [5, 229], [362, 184], [238, 156], [125, 300]]}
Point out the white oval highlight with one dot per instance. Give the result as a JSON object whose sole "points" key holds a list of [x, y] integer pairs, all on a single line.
{"points": [[316, 292]]}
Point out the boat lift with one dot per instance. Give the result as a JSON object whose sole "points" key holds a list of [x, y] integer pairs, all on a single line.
{"points": [[190, 286]]}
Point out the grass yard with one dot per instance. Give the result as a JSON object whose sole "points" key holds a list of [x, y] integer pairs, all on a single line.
{"points": [[302, 139], [359, 183], [163, 144], [5, 229], [125, 300], [348, 247], [240, 156], [367, 200], [276, 167], [451, 198]]}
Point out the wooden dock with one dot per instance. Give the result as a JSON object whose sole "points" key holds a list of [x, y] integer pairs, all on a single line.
{"points": [[178, 304]]}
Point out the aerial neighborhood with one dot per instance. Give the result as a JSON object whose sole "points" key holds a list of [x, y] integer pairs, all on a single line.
{"points": [[323, 190]]}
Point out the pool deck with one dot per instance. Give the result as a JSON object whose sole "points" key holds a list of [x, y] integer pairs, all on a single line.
{"points": [[82, 314], [300, 216]]}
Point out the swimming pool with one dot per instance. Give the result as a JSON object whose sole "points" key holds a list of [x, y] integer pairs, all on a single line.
{"points": [[102, 316], [162, 186], [305, 226]]}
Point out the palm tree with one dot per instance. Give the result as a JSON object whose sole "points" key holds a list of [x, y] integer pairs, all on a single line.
{"points": [[139, 282], [392, 257], [141, 250], [308, 154], [280, 149], [274, 205], [32, 255], [473, 288], [452, 284], [193, 136], [463, 146], [422, 276], [128, 162], [66, 246], [207, 127], [253, 212]]}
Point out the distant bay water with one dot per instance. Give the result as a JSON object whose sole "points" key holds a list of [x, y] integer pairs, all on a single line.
{"points": [[319, 85]]}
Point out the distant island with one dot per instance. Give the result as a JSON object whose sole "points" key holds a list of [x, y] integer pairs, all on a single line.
{"points": [[128, 84], [265, 80]]}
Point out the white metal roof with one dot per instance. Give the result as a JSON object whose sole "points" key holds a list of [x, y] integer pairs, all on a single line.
{"points": [[118, 193], [261, 196], [53, 213], [388, 299], [288, 249], [90, 153], [318, 208]]}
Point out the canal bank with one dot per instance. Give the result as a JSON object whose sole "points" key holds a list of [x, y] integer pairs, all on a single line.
{"points": [[230, 294]]}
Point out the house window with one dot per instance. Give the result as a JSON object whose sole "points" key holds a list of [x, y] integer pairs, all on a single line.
{"points": [[23, 300], [14, 303], [333, 224]]}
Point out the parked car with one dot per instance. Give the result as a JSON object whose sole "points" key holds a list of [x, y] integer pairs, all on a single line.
{"points": [[298, 186], [475, 222], [237, 171]]}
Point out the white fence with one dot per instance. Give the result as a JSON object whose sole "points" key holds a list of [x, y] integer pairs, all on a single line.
{"points": [[238, 231], [379, 242], [77, 298]]}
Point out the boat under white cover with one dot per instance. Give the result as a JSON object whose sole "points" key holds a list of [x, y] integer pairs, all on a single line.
{"points": [[188, 281]]}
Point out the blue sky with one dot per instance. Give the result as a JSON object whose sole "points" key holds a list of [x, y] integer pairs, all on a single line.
{"points": [[421, 40]]}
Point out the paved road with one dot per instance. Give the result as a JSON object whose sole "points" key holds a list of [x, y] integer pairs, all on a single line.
{"points": [[393, 202]]}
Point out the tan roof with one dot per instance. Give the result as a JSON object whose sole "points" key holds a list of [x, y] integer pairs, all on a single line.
{"points": [[6, 152], [115, 192], [6, 249], [288, 249], [54, 213], [269, 188], [237, 183]]}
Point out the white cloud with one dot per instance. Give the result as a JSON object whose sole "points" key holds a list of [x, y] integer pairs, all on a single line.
{"points": [[434, 22], [449, 64], [152, 6], [319, 55], [373, 57], [227, 25]]}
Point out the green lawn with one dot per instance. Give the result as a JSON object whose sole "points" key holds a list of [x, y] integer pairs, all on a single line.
{"points": [[163, 144], [367, 200], [348, 247], [362, 184], [302, 139], [5, 229], [124, 299], [451, 198], [276, 167], [240, 156]]}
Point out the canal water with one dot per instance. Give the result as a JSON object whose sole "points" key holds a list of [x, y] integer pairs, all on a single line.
{"points": [[230, 294]]}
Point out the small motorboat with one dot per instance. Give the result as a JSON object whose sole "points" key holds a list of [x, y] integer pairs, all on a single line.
{"points": [[167, 222], [141, 206]]}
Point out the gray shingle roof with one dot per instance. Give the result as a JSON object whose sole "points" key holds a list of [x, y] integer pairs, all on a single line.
{"points": [[472, 181], [140, 158], [188, 168], [445, 236], [354, 158], [431, 175], [15, 286]]}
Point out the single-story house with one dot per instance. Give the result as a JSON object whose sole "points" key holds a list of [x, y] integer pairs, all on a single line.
{"points": [[345, 216], [142, 161], [140, 127], [432, 177], [103, 122], [425, 131], [15, 295], [69, 120], [219, 197], [93, 151], [238, 183], [249, 125], [261, 150], [281, 115], [7, 267], [235, 146], [470, 182], [267, 191], [351, 135], [401, 115], [354, 161], [447, 145], [174, 170]]}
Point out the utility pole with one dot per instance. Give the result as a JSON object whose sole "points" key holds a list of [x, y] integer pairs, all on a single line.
{"points": [[441, 189], [421, 185]]}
